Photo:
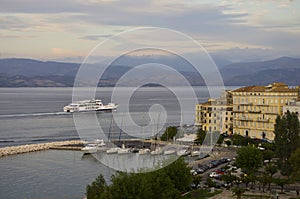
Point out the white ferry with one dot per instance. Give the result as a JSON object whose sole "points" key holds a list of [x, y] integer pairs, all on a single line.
{"points": [[89, 105]]}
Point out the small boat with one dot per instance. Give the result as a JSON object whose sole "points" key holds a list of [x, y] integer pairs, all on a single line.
{"points": [[93, 146], [97, 142], [113, 150], [89, 149], [169, 151], [157, 151], [89, 105], [124, 150], [144, 151], [195, 153], [182, 152]]}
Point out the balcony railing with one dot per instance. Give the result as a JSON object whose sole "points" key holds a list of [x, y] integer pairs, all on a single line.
{"points": [[249, 111]]}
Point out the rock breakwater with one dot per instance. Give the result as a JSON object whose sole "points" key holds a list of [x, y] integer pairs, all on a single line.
{"points": [[13, 150]]}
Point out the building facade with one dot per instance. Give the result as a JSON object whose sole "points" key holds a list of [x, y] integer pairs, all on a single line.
{"points": [[293, 107], [255, 108], [215, 115]]}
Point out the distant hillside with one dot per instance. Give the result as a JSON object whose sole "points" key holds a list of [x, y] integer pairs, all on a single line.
{"points": [[259, 73], [31, 68], [33, 73]]}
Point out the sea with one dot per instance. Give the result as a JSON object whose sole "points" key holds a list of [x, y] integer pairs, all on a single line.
{"points": [[34, 115]]}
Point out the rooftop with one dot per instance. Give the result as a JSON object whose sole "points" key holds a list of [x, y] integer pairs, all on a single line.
{"points": [[275, 87]]}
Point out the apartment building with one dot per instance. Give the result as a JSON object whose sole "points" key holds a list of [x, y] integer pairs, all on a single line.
{"points": [[215, 115], [255, 108]]}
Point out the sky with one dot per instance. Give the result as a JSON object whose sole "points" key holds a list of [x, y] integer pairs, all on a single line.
{"points": [[67, 30]]}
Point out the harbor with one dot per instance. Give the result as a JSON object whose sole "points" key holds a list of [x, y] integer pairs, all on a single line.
{"points": [[134, 144]]}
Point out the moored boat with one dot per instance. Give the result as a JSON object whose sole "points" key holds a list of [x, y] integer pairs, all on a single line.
{"points": [[124, 150], [113, 150], [144, 151]]}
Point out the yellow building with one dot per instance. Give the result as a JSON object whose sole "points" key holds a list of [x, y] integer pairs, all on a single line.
{"points": [[215, 115], [255, 108]]}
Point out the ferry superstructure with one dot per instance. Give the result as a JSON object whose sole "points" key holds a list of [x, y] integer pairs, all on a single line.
{"points": [[89, 105]]}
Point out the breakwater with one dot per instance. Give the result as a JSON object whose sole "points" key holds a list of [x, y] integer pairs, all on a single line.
{"points": [[13, 150]]}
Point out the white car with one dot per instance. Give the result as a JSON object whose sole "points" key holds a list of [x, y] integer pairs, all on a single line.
{"points": [[213, 174]]}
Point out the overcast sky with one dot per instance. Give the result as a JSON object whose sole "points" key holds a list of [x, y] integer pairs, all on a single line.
{"points": [[68, 29]]}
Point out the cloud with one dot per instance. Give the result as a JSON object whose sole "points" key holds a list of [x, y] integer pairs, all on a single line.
{"points": [[95, 37], [244, 24]]}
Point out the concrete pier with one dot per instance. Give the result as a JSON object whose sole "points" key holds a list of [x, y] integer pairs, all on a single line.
{"points": [[13, 150]]}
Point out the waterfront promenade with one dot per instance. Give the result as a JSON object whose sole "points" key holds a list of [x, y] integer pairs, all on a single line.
{"points": [[13, 150]]}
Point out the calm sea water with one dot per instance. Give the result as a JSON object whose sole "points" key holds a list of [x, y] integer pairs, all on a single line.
{"points": [[34, 115]]}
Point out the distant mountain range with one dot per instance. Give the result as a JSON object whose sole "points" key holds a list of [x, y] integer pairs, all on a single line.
{"points": [[16, 72]]}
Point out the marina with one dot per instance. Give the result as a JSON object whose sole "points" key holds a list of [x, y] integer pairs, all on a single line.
{"points": [[35, 117], [137, 146]]}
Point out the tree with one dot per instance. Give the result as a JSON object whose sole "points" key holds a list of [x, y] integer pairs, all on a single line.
{"points": [[200, 136], [168, 182], [197, 180], [221, 139], [169, 133], [143, 185], [240, 140], [280, 182], [246, 179], [268, 155], [228, 142], [180, 174], [229, 178], [295, 164], [210, 183], [264, 178], [249, 159], [286, 140], [98, 189], [271, 169], [238, 191]]}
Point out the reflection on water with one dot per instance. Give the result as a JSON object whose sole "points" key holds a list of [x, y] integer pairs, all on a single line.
{"points": [[133, 162]]}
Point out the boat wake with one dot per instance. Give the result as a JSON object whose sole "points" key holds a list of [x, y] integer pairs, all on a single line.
{"points": [[33, 114]]}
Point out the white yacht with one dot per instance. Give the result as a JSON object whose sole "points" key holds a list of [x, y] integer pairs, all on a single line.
{"points": [[157, 151], [89, 105], [144, 151], [89, 149], [93, 146], [113, 150], [124, 150], [169, 151]]}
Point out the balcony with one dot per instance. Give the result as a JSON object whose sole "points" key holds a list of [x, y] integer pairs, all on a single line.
{"points": [[257, 112], [245, 119], [238, 111], [262, 105], [262, 120], [246, 103]]}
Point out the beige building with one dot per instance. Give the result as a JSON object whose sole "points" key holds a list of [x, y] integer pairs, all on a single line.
{"points": [[255, 108], [215, 115]]}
